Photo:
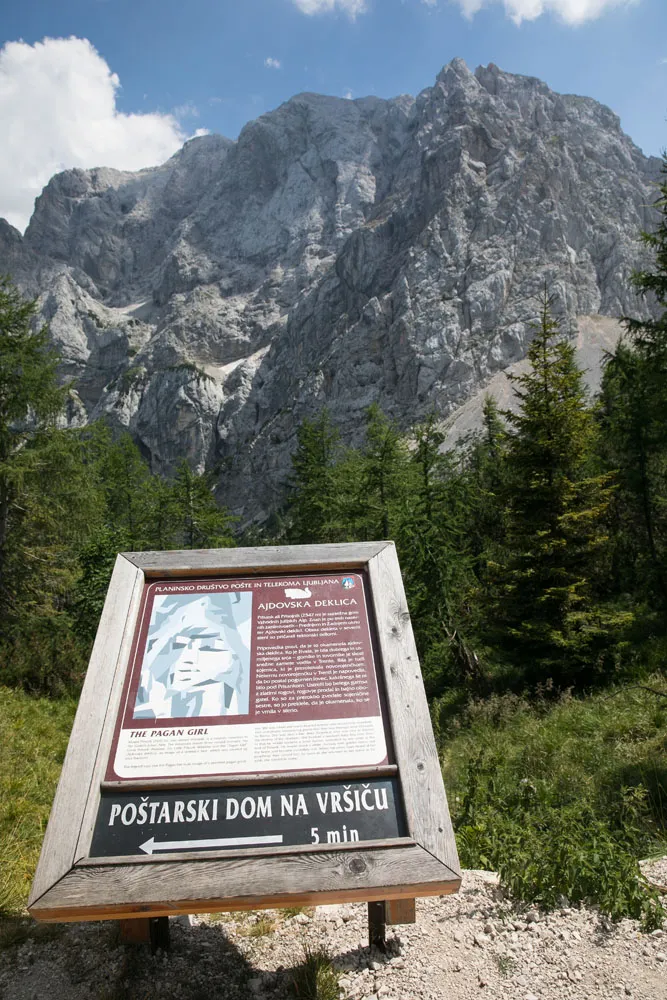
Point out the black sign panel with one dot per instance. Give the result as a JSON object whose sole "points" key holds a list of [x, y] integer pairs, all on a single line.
{"points": [[214, 819]]}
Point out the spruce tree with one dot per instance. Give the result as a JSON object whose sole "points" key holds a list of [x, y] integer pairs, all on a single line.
{"points": [[546, 618], [200, 522], [49, 502], [486, 471], [634, 421], [432, 541], [314, 498], [386, 478], [160, 513], [125, 476], [651, 334], [632, 443], [30, 399]]}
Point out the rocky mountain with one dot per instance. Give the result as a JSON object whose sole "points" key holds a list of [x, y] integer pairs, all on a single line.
{"points": [[338, 252]]}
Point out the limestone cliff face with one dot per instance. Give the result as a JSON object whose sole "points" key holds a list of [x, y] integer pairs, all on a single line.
{"points": [[338, 252]]}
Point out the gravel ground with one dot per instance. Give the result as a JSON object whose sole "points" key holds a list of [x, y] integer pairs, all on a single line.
{"points": [[656, 872], [473, 944]]}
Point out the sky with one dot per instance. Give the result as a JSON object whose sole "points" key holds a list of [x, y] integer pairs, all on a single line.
{"points": [[123, 83]]}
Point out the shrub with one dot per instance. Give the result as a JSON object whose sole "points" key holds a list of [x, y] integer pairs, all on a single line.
{"points": [[563, 798]]}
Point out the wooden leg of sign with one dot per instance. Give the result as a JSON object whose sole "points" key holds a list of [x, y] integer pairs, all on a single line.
{"points": [[135, 931], [160, 934], [146, 930], [400, 911], [377, 926]]}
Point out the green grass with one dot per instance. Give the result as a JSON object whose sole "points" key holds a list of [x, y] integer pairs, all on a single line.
{"points": [[263, 925], [294, 911], [315, 978], [506, 964], [562, 798], [224, 918], [33, 739], [253, 925]]}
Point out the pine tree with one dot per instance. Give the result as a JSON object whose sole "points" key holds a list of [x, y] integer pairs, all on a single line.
{"points": [[125, 477], [632, 443], [386, 478], [487, 488], [651, 334], [634, 421], [431, 537], [201, 522], [313, 490], [546, 618], [30, 399]]}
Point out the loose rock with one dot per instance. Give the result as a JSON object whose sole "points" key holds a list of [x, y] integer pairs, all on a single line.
{"points": [[218, 957]]}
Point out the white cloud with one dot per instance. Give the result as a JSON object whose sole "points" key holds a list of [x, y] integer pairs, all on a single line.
{"points": [[348, 95], [350, 7], [570, 11], [272, 63], [58, 110], [187, 110]]}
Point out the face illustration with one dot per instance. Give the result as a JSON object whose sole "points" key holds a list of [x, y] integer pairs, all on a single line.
{"points": [[197, 661]]}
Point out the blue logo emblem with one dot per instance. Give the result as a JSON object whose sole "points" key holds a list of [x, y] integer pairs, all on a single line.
{"points": [[348, 582]]}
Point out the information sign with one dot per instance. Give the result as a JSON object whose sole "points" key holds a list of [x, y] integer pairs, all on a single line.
{"points": [[129, 823], [253, 731], [270, 674]]}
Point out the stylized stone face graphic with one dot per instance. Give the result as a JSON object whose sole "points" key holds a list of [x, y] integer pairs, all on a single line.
{"points": [[199, 660]]}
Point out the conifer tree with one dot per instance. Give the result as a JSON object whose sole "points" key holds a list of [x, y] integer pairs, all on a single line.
{"points": [[546, 617], [30, 399], [314, 498], [124, 483], [386, 478], [201, 522], [431, 536], [632, 443], [49, 502], [634, 421], [651, 334], [142, 511], [487, 487], [160, 513]]}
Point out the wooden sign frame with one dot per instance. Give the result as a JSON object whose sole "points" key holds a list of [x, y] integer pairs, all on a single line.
{"points": [[70, 885]]}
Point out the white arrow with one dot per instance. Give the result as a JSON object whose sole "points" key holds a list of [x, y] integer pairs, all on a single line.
{"points": [[191, 845]]}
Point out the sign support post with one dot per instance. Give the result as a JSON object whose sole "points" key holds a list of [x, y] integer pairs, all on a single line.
{"points": [[153, 931], [377, 926]]}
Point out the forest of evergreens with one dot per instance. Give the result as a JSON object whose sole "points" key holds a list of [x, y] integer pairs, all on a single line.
{"points": [[534, 557]]}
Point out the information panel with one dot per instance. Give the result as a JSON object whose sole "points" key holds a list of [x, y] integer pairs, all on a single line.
{"points": [[250, 676], [159, 822]]}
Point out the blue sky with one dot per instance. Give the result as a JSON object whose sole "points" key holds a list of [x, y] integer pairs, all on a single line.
{"points": [[203, 65]]}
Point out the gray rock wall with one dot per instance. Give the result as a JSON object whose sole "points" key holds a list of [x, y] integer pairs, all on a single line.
{"points": [[339, 252]]}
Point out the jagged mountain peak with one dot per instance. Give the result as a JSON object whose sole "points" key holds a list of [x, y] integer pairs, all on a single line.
{"points": [[338, 252]]}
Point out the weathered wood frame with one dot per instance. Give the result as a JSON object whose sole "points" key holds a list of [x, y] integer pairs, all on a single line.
{"points": [[69, 885]]}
